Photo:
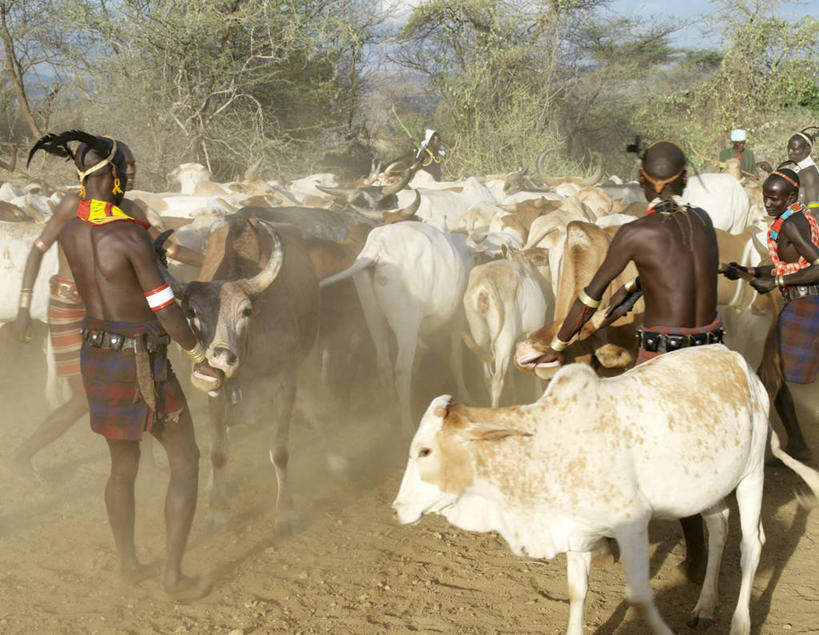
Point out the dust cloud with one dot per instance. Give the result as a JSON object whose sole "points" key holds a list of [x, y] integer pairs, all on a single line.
{"points": [[346, 568]]}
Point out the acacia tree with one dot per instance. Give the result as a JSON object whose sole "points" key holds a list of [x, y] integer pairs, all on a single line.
{"points": [[495, 65], [768, 65]]}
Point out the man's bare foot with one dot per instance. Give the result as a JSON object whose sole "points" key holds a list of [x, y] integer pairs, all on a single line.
{"points": [[136, 573], [186, 589]]}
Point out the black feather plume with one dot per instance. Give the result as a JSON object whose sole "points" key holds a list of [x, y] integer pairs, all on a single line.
{"points": [[57, 144]]}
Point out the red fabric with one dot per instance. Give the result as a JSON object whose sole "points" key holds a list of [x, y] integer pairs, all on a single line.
{"points": [[783, 268], [644, 355], [115, 404]]}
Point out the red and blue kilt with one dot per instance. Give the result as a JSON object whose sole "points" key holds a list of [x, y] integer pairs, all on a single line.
{"points": [[643, 355], [117, 408], [797, 333]]}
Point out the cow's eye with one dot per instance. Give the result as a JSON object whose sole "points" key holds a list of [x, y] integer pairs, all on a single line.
{"points": [[190, 313], [247, 311], [424, 452]]}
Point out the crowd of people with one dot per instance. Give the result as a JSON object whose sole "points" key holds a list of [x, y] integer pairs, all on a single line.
{"points": [[112, 315]]}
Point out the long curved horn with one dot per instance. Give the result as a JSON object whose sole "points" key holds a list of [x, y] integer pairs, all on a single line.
{"points": [[531, 186], [393, 166], [177, 286], [539, 166], [397, 187], [267, 275], [594, 178], [335, 191], [367, 213], [375, 169], [409, 212]]}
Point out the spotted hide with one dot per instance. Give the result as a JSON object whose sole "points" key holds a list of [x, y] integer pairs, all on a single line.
{"points": [[601, 457]]}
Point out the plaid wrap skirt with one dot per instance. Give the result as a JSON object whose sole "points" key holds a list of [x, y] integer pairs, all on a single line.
{"points": [[115, 403], [797, 333], [643, 355]]}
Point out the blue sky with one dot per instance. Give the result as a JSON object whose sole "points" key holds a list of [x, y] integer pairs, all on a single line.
{"points": [[696, 10]]}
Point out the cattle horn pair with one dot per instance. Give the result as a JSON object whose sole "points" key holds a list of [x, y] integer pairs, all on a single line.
{"points": [[369, 214], [553, 181], [255, 285]]}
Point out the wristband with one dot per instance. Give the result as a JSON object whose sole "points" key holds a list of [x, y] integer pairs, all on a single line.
{"points": [[558, 344], [160, 297], [197, 353], [586, 299], [25, 298], [780, 281], [631, 285]]}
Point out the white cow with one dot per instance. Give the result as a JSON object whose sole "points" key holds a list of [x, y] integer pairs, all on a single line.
{"points": [[16, 240], [722, 196], [504, 301], [410, 278], [601, 457]]}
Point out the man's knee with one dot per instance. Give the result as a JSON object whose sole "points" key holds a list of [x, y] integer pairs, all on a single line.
{"points": [[125, 464]]}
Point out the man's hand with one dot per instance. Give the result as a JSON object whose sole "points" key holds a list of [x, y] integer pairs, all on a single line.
{"points": [[734, 270], [763, 285], [206, 377], [527, 357], [21, 327]]}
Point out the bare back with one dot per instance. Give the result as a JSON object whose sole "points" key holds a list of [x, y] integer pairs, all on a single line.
{"points": [[677, 257], [113, 267]]}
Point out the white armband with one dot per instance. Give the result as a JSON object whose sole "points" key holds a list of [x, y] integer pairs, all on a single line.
{"points": [[160, 297]]}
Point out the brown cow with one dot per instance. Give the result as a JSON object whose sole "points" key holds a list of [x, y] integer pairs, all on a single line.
{"points": [[256, 312]]}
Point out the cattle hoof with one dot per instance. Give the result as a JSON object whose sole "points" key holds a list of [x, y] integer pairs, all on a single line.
{"points": [[286, 522], [700, 623]]}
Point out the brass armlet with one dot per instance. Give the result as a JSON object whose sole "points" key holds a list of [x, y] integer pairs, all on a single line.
{"points": [[780, 281], [815, 262], [197, 353], [558, 344], [631, 286], [586, 299]]}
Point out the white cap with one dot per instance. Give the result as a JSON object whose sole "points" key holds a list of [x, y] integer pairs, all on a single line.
{"points": [[428, 135], [738, 135]]}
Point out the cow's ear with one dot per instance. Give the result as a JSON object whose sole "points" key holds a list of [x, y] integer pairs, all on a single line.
{"points": [[613, 356], [490, 432]]}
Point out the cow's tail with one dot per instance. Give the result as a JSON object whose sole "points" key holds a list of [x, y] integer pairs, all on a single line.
{"points": [[359, 265], [808, 474], [496, 300]]}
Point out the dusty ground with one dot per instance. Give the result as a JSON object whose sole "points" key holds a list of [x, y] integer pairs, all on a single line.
{"points": [[348, 568]]}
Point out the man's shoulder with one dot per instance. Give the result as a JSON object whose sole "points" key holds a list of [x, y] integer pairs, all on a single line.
{"points": [[726, 153]]}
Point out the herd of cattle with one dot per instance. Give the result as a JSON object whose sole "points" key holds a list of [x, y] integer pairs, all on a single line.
{"points": [[292, 273]]}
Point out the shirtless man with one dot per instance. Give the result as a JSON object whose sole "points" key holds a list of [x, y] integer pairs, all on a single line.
{"points": [[674, 248], [793, 244], [128, 381], [65, 314]]}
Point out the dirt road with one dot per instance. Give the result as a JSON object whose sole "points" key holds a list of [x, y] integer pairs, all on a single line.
{"points": [[347, 568]]}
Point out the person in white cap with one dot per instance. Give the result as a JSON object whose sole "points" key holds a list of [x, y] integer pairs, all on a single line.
{"points": [[747, 163], [431, 153]]}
